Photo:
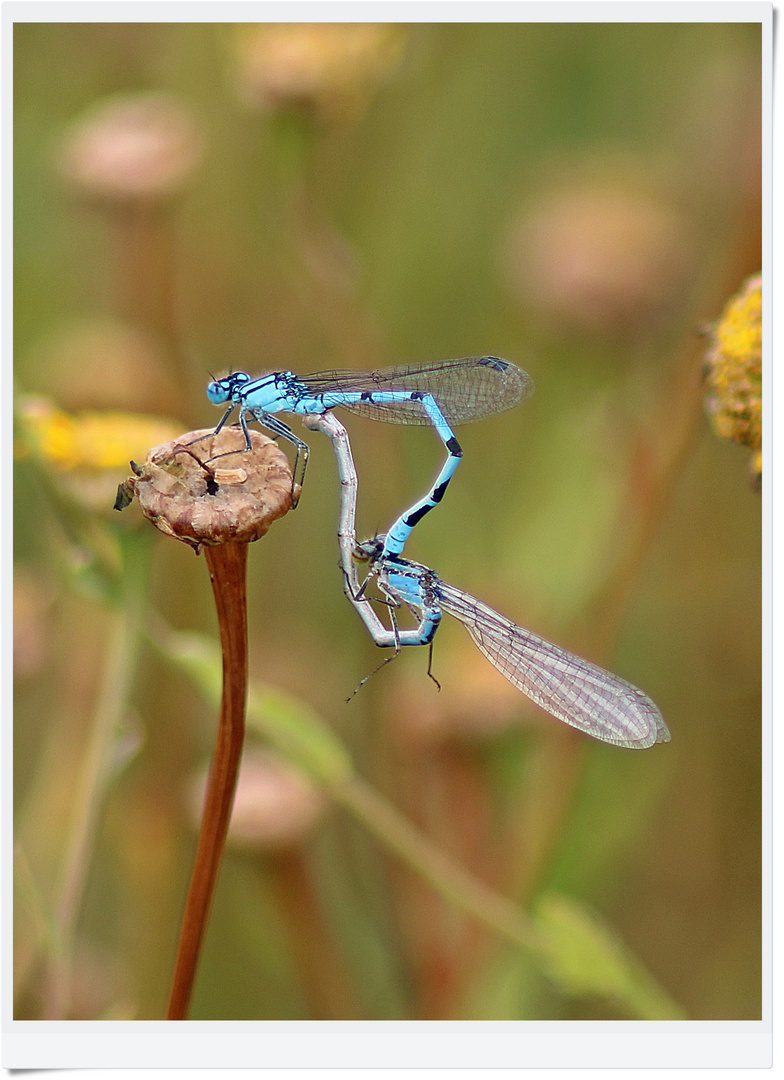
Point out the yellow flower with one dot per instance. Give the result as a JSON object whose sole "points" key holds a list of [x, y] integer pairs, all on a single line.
{"points": [[734, 371], [90, 441], [86, 451]]}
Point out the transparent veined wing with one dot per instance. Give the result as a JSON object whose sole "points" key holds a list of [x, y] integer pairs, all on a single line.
{"points": [[466, 389], [572, 689]]}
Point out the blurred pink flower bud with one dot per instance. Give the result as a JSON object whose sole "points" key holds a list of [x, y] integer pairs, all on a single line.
{"points": [[103, 363], [275, 806], [328, 69], [139, 146], [601, 255]]}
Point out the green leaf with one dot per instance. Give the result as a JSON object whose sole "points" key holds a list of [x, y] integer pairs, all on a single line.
{"points": [[585, 957]]}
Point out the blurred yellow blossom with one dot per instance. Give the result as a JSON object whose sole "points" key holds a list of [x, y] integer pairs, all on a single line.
{"points": [[90, 441], [87, 450], [328, 69], [734, 372]]}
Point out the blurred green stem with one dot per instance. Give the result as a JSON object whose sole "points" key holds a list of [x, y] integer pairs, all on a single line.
{"points": [[292, 144], [97, 772], [29, 893], [306, 741], [657, 463], [323, 974], [323, 267], [446, 876]]}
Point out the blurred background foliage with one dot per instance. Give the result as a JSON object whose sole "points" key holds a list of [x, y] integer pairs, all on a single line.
{"points": [[580, 199]]}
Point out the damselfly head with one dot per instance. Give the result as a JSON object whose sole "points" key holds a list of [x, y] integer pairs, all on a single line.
{"points": [[369, 550], [227, 388]]}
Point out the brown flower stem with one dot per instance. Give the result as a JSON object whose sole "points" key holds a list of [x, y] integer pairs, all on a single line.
{"points": [[221, 510], [227, 564]]}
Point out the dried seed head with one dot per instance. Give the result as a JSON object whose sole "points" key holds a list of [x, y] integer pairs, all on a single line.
{"points": [[734, 372], [275, 805], [179, 490], [131, 147]]}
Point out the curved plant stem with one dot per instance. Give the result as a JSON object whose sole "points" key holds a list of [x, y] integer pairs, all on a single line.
{"points": [[304, 739], [227, 564], [442, 873]]}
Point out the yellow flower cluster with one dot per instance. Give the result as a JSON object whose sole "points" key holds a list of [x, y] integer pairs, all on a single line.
{"points": [[89, 441], [734, 371]]}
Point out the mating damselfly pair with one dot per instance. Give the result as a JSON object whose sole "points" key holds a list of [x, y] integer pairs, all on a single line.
{"points": [[444, 393]]}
